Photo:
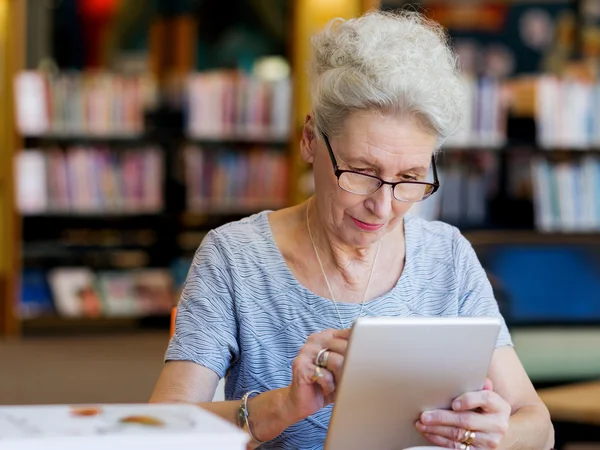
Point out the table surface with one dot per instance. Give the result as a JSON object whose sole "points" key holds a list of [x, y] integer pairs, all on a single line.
{"points": [[579, 402]]}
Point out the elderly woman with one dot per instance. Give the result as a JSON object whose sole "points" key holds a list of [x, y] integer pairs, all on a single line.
{"points": [[266, 294]]}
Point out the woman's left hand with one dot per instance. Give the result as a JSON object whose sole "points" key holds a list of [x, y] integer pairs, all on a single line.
{"points": [[484, 413]]}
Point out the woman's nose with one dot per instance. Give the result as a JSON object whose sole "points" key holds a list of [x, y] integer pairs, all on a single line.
{"points": [[381, 201]]}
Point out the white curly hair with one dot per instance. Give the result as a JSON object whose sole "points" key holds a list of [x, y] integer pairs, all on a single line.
{"points": [[394, 62]]}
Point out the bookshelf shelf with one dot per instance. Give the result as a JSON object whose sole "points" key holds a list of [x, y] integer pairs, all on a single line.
{"points": [[106, 216], [239, 141], [58, 324], [142, 139], [483, 237], [88, 138], [530, 147], [212, 218]]}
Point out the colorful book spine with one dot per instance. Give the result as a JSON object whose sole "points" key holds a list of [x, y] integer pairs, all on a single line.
{"points": [[225, 105], [223, 180], [83, 103], [90, 180], [566, 195]]}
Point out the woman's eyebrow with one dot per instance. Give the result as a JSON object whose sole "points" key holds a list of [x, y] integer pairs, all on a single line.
{"points": [[362, 162], [366, 163], [416, 169]]}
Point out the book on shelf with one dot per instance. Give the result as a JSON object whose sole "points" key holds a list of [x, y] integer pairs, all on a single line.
{"points": [[80, 292], [224, 180], [485, 109], [117, 291], [234, 105], [567, 194], [567, 113], [93, 103], [87, 180], [102, 426], [31, 183], [467, 183], [35, 295], [74, 292]]}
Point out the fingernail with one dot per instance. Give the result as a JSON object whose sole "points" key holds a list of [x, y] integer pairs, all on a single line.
{"points": [[420, 426], [456, 404], [426, 417]]}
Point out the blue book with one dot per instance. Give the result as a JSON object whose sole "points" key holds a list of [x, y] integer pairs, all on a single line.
{"points": [[35, 298]]}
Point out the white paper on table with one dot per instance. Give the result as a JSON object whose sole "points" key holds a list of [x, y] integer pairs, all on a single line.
{"points": [[135, 426]]}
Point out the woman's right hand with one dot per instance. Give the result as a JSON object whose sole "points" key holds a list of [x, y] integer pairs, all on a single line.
{"points": [[307, 395]]}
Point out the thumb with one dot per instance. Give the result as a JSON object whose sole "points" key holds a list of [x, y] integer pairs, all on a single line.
{"points": [[488, 385]]}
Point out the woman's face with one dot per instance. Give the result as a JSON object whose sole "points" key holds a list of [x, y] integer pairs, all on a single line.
{"points": [[392, 148]]}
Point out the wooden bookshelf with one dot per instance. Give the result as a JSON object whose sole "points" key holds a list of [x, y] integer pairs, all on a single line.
{"points": [[180, 229], [176, 225], [12, 53]]}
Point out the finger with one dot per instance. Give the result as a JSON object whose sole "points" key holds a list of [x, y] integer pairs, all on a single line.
{"points": [[310, 348], [316, 339], [337, 345], [335, 364], [488, 401], [452, 433], [456, 435], [326, 382], [342, 334], [303, 367], [488, 385], [441, 441], [467, 420], [322, 338]]}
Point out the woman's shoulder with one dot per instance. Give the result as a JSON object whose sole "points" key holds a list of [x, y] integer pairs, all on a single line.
{"points": [[434, 237], [431, 228], [234, 237]]}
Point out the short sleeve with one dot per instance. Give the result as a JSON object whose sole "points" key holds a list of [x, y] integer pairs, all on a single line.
{"points": [[476, 296], [206, 324]]}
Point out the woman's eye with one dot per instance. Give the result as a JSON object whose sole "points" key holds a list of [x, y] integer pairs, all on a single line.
{"points": [[361, 169], [409, 177]]}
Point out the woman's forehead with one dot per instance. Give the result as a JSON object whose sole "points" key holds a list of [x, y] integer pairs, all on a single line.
{"points": [[371, 150], [388, 133]]}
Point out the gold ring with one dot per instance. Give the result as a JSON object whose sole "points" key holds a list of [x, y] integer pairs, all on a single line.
{"points": [[322, 357], [468, 438], [318, 374]]}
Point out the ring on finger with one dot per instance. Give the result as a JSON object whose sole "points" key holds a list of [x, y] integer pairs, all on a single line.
{"points": [[468, 438], [318, 374], [465, 447], [322, 357]]}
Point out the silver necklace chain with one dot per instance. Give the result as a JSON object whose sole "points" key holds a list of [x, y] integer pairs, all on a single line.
{"points": [[325, 276]]}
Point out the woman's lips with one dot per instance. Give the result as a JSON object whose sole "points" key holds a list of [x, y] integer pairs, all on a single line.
{"points": [[367, 226]]}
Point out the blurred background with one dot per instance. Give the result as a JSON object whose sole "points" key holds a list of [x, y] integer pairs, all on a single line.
{"points": [[129, 128]]}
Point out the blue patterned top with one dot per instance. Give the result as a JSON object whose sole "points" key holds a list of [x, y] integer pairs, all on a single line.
{"points": [[243, 314]]}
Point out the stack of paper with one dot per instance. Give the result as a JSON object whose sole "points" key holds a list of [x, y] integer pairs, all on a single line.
{"points": [[116, 427]]}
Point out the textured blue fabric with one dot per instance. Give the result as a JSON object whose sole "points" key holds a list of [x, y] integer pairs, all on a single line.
{"points": [[242, 312]]}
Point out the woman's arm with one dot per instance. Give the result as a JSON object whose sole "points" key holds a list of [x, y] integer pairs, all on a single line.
{"points": [[187, 382], [269, 413], [529, 426]]}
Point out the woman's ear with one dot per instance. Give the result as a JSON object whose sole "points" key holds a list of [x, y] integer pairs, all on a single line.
{"points": [[307, 142]]}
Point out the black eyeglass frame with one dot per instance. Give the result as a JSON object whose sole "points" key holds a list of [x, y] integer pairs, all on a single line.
{"points": [[338, 173]]}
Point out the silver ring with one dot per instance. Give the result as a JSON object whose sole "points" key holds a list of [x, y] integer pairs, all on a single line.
{"points": [[322, 357], [465, 447]]}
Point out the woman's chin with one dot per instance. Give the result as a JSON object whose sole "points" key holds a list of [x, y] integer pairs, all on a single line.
{"points": [[359, 238]]}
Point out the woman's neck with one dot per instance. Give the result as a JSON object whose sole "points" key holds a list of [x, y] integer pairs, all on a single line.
{"points": [[342, 262]]}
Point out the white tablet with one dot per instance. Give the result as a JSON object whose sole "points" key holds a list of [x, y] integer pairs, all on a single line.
{"points": [[398, 367]]}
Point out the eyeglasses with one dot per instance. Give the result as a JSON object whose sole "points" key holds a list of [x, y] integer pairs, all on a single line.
{"points": [[363, 184]]}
